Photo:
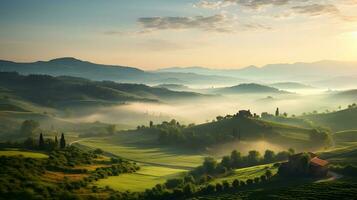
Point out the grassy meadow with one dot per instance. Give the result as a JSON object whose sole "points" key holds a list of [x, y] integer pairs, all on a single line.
{"points": [[147, 177], [28, 154], [143, 148]]}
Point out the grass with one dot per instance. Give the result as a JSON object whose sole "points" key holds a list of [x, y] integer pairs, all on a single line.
{"points": [[247, 173], [143, 148], [337, 121], [345, 136], [158, 163], [146, 177], [346, 154], [29, 154]]}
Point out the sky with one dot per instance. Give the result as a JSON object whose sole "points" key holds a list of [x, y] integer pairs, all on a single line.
{"points": [[152, 34]]}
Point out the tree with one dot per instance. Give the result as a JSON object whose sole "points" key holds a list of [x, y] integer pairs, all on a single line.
{"points": [[236, 159], [29, 143], [56, 142], [253, 157], [41, 142], [235, 184], [269, 156], [226, 162], [28, 127], [277, 112], [151, 124], [188, 189], [62, 142], [268, 174], [219, 187], [210, 165], [189, 179], [226, 185], [263, 178], [111, 129]]}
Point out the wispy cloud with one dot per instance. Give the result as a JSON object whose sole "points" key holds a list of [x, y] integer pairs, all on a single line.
{"points": [[253, 4], [214, 23], [322, 9]]}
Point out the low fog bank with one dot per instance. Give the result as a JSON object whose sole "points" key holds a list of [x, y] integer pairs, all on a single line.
{"points": [[201, 111], [244, 147]]}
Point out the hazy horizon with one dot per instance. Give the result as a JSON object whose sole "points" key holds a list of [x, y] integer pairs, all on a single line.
{"points": [[158, 33]]}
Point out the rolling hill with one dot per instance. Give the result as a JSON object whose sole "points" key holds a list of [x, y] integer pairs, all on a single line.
{"points": [[290, 85], [51, 91], [337, 121], [73, 67], [248, 88]]}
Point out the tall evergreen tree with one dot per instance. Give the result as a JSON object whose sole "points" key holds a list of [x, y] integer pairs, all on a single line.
{"points": [[277, 112], [41, 142], [62, 142], [56, 142]]}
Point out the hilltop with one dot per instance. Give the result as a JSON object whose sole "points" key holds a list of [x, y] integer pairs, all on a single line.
{"points": [[290, 85], [240, 127], [249, 88]]}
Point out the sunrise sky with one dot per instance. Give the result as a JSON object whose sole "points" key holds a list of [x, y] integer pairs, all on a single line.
{"points": [[151, 34]]}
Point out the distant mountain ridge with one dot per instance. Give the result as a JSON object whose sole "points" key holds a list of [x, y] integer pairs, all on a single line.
{"points": [[322, 73], [69, 66], [299, 71]]}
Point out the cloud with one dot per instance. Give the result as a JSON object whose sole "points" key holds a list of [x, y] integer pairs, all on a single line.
{"points": [[322, 9], [214, 23], [253, 4], [220, 23], [316, 9]]}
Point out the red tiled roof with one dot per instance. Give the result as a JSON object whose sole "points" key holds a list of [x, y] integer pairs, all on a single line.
{"points": [[319, 162]]}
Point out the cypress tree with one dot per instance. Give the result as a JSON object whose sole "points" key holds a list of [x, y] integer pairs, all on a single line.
{"points": [[41, 142], [277, 112], [62, 142], [56, 142]]}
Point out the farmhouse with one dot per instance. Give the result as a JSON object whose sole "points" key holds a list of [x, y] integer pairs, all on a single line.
{"points": [[308, 164]]}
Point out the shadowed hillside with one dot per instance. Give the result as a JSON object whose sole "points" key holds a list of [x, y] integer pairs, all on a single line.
{"points": [[62, 91]]}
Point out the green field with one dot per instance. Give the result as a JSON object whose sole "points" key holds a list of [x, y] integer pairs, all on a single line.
{"points": [[147, 177], [248, 173], [346, 154], [157, 163], [143, 148], [14, 152]]}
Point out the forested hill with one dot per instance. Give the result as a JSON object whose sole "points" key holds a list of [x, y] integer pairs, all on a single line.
{"points": [[55, 91], [238, 128]]}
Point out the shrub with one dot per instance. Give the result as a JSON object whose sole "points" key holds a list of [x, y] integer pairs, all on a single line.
{"points": [[235, 183]]}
